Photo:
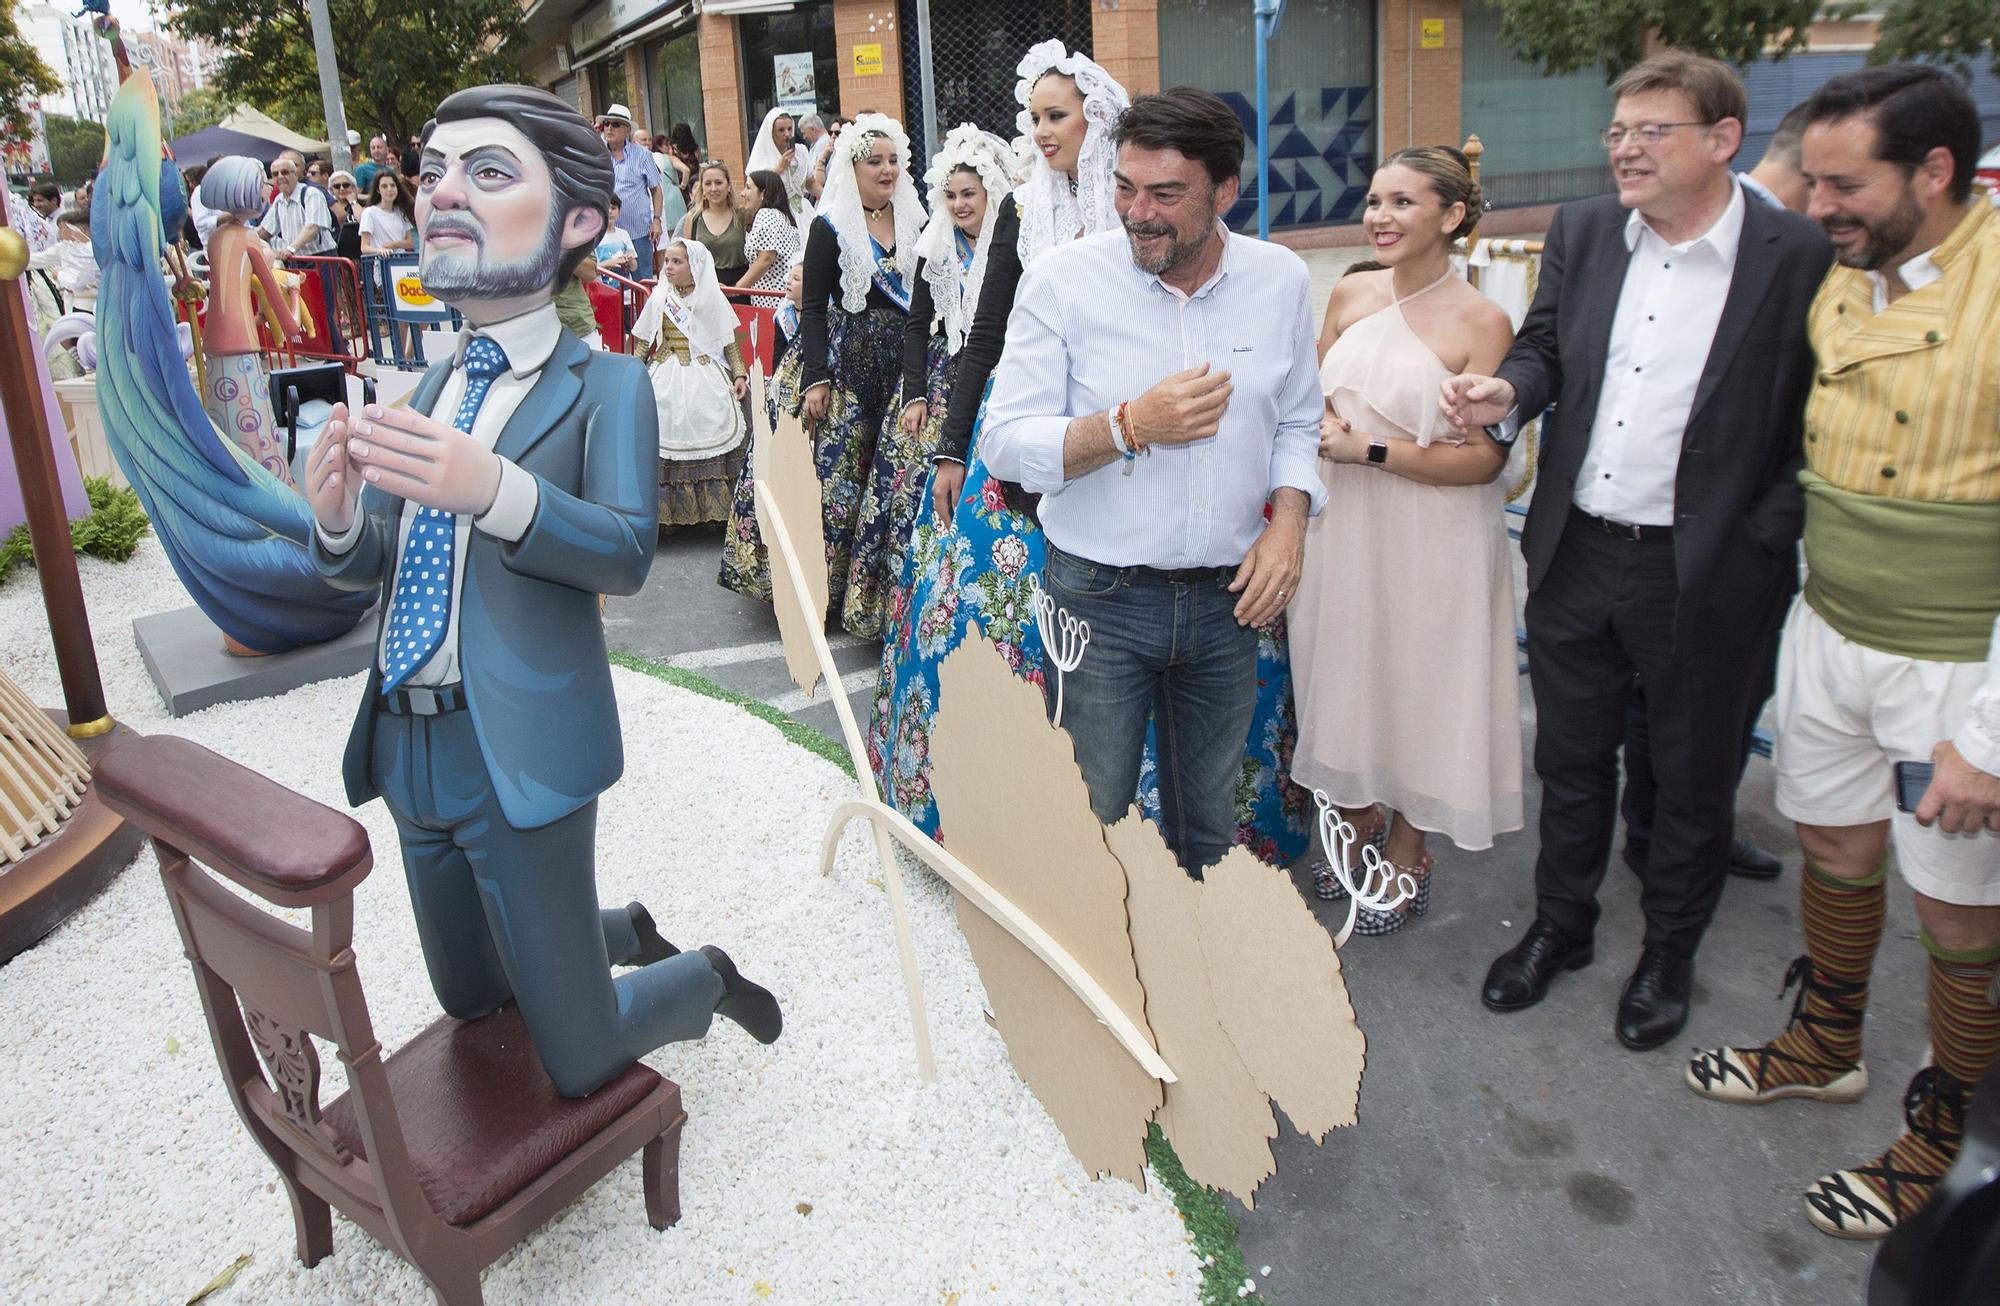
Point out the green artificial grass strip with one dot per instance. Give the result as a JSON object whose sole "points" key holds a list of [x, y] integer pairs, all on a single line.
{"points": [[1206, 1218], [804, 736], [1223, 1269]]}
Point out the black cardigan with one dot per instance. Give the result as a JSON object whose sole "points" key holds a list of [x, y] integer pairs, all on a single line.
{"points": [[981, 351], [822, 283]]}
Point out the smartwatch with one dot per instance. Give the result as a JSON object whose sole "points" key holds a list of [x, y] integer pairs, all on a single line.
{"points": [[1378, 452]]}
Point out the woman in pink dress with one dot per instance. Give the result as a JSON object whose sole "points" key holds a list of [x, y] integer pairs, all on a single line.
{"points": [[1403, 627]]}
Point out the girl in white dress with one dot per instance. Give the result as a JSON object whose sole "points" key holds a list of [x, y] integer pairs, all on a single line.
{"points": [[687, 338]]}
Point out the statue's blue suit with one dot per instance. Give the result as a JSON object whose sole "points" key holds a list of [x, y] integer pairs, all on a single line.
{"points": [[496, 803]]}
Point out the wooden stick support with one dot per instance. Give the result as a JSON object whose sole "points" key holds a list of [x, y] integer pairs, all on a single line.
{"points": [[1004, 914], [772, 521]]}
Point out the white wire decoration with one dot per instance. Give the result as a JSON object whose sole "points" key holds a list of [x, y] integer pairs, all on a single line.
{"points": [[1063, 637], [1376, 884]]}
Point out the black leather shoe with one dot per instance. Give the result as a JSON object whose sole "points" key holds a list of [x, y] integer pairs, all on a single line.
{"points": [[749, 1005], [1654, 1005], [1753, 863], [1519, 977], [652, 947], [1637, 853]]}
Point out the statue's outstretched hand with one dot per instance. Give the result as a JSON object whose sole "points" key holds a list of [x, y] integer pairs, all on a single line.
{"points": [[424, 460], [333, 483]]}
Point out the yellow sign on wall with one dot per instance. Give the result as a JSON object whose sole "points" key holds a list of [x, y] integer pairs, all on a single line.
{"points": [[1433, 34], [868, 59]]}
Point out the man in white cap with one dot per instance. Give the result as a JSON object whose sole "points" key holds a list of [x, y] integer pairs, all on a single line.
{"points": [[640, 201]]}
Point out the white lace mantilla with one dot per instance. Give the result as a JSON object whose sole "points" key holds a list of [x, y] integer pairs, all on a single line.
{"points": [[955, 289], [840, 208], [1054, 208]]}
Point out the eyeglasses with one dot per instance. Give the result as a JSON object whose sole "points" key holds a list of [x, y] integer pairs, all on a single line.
{"points": [[1646, 133], [343, 185]]}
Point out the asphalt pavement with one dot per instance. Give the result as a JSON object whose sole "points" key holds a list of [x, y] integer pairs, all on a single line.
{"points": [[1525, 1158]]}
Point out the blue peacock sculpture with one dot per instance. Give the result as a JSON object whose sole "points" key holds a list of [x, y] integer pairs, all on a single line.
{"points": [[238, 537]]}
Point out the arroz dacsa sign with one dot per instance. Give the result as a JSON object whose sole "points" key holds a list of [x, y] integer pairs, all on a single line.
{"points": [[407, 299]]}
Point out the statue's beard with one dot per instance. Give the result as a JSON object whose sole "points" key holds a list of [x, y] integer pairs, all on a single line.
{"points": [[455, 276]]}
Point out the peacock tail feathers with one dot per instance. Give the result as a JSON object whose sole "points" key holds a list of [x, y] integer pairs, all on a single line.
{"points": [[238, 537]]}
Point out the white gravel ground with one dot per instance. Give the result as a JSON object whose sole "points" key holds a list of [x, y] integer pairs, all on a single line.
{"points": [[815, 1170]]}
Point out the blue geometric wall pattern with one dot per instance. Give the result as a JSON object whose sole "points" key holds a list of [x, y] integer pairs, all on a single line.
{"points": [[1322, 156]]}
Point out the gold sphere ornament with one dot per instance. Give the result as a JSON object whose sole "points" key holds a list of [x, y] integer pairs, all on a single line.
{"points": [[13, 254]]}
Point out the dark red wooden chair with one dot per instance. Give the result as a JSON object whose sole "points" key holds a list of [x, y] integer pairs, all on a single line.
{"points": [[449, 1151]]}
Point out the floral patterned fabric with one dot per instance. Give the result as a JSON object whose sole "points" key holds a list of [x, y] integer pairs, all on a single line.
{"points": [[746, 564], [978, 568], [870, 474], [866, 465]]}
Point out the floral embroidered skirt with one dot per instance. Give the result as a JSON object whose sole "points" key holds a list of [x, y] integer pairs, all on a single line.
{"points": [[746, 563], [978, 568], [871, 474]]}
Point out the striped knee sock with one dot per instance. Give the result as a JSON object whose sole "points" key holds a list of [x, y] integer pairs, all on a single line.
{"points": [[1965, 1038], [1843, 926], [1965, 1023]]}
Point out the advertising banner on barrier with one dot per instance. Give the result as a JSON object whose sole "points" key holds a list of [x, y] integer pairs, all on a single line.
{"points": [[404, 293]]}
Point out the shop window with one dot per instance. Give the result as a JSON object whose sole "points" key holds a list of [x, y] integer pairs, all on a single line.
{"points": [[673, 70], [1539, 132], [791, 54]]}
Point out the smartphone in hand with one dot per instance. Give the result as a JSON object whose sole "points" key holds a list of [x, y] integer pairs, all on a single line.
{"points": [[1912, 779]]}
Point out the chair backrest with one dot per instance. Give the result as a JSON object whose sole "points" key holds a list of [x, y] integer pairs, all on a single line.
{"points": [[267, 986]]}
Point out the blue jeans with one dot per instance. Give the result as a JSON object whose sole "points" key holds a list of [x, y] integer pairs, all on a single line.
{"points": [[1165, 646], [643, 269]]}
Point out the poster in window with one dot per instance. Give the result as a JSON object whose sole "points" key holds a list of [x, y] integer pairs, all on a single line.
{"points": [[793, 76]]}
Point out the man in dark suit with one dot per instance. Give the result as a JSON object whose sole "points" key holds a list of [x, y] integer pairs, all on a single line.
{"points": [[1669, 332], [492, 512]]}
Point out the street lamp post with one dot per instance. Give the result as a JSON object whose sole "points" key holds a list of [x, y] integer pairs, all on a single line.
{"points": [[1268, 12], [329, 88]]}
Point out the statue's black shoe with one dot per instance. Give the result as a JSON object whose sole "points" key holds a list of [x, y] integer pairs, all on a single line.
{"points": [[652, 947], [749, 1005], [1519, 977], [1654, 1005]]}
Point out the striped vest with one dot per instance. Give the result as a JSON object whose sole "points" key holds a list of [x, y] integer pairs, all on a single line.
{"points": [[1907, 401], [1902, 478]]}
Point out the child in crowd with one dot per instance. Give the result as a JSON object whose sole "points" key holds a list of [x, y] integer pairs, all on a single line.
{"points": [[573, 308], [687, 336], [615, 251]]}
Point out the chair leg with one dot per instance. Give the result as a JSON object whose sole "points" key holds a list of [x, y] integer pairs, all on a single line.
{"points": [[661, 1165], [314, 1221], [456, 1283]]}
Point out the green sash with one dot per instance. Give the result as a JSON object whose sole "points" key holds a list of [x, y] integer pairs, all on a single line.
{"points": [[1921, 580]]}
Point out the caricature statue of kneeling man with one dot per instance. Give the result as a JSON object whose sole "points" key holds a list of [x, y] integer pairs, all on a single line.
{"points": [[516, 487]]}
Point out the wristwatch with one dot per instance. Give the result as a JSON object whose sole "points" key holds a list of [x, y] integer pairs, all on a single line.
{"points": [[1378, 452]]}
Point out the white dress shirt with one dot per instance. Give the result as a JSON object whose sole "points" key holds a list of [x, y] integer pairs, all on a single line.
{"points": [[1920, 271], [1090, 330], [1660, 339], [527, 340], [291, 214]]}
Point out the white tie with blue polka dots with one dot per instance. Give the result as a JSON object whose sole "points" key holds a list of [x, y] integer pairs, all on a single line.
{"points": [[422, 609]]}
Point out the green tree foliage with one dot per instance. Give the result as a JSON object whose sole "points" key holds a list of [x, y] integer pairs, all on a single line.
{"points": [[201, 109], [1955, 31], [23, 75], [1566, 35], [75, 149], [398, 58]]}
